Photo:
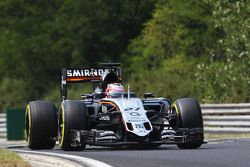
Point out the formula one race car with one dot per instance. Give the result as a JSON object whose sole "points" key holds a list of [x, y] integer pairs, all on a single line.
{"points": [[111, 116]]}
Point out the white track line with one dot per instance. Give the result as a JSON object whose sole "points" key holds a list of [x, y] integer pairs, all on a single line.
{"points": [[83, 160]]}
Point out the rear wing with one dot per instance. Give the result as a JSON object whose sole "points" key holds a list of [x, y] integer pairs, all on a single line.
{"points": [[81, 75]]}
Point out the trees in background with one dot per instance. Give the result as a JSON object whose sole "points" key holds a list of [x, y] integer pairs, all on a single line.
{"points": [[175, 48], [227, 74], [194, 48], [39, 38]]}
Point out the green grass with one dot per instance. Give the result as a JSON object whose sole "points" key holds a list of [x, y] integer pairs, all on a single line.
{"points": [[219, 136], [11, 159]]}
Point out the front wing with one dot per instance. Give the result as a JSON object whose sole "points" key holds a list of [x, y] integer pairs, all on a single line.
{"points": [[183, 135]]}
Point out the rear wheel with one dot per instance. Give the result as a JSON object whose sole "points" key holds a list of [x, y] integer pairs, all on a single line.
{"points": [[40, 125], [189, 116], [72, 116]]}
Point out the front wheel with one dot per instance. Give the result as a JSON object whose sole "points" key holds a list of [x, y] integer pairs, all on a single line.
{"points": [[189, 115], [72, 116]]}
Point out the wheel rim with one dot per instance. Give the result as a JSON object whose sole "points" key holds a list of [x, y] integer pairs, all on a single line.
{"points": [[176, 111], [28, 124], [61, 126]]}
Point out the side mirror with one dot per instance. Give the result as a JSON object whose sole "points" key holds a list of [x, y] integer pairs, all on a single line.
{"points": [[147, 95], [87, 96]]}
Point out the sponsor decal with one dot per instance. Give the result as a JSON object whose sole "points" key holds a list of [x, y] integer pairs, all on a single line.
{"points": [[142, 131], [135, 114], [139, 126], [136, 120], [86, 72], [104, 118], [104, 109]]}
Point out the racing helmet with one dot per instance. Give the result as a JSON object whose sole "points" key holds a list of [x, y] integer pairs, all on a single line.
{"points": [[114, 90]]}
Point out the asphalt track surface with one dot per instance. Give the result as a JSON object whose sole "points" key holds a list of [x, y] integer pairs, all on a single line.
{"points": [[231, 153]]}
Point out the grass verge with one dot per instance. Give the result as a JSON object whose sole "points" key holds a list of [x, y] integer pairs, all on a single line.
{"points": [[218, 136], [11, 159]]}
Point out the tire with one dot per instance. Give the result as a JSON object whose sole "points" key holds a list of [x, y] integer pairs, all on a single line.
{"points": [[41, 125], [72, 115], [189, 116]]}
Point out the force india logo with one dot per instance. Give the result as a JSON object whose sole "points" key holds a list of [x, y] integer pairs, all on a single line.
{"points": [[86, 72]]}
